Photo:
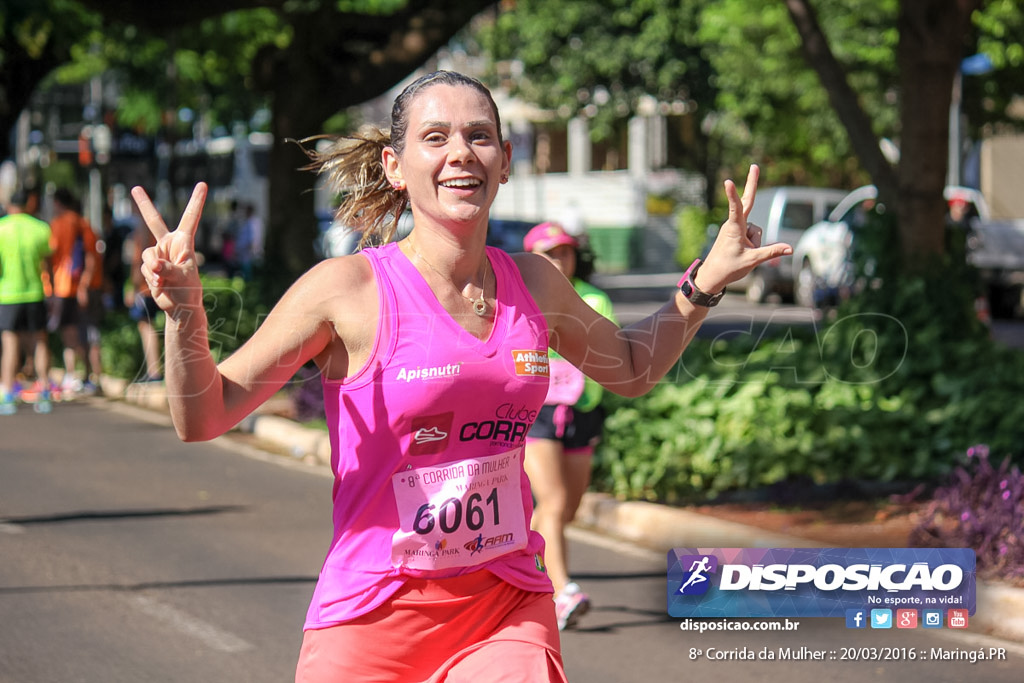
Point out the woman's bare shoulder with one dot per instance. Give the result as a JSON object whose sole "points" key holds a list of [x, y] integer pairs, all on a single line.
{"points": [[532, 267], [333, 290], [545, 282], [347, 276]]}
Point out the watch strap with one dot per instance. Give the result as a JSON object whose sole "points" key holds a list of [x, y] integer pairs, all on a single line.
{"points": [[693, 293]]}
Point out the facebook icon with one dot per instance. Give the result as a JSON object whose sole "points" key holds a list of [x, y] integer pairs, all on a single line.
{"points": [[856, 618]]}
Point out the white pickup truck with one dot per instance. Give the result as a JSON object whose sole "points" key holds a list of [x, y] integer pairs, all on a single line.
{"points": [[822, 268], [996, 249]]}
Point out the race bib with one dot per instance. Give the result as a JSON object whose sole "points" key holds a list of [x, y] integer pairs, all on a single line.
{"points": [[567, 383], [460, 514]]}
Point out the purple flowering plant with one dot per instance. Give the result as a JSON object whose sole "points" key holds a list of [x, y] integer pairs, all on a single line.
{"points": [[982, 507], [307, 394]]}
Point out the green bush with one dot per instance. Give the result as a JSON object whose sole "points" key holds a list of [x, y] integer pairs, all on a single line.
{"points": [[121, 347], [233, 313], [234, 309], [692, 227], [749, 422]]}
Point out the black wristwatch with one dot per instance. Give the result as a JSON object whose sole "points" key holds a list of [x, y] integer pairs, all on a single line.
{"points": [[693, 293]]}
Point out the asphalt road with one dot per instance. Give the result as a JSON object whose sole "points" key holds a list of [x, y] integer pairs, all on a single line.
{"points": [[129, 556]]}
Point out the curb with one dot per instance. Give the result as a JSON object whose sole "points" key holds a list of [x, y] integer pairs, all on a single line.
{"points": [[661, 527], [310, 445], [1000, 608], [1001, 611]]}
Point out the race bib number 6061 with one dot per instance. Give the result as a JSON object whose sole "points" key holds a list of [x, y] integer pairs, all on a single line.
{"points": [[459, 514]]}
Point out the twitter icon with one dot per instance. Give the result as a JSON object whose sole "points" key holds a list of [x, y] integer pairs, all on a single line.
{"points": [[881, 618]]}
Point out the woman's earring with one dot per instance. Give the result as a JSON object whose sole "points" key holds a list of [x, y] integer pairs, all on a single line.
{"points": [[504, 177], [398, 185]]}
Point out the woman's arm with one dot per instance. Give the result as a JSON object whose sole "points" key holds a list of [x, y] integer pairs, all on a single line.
{"points": [[206, 399], [631, 360], [628, 360]]}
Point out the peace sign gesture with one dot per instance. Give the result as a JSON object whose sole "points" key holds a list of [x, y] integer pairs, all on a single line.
{"points": [[737, 249], [170, 266]]}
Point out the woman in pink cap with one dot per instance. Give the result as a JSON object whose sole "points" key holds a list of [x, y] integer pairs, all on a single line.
{"points": [[560, 444], [433, 352]]}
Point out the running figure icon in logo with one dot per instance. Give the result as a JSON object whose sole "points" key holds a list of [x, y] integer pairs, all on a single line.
{"points": [[697, 581]]}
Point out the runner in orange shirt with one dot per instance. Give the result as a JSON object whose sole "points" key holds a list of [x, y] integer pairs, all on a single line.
{"points": [[76, 289]]}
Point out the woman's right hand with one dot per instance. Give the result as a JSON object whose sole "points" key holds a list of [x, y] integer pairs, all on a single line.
{"points": [[737, 250], [170, 266]]}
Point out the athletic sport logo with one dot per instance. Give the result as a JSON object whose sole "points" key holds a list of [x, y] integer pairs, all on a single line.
{"points": [[696, 579], [531, 363]]}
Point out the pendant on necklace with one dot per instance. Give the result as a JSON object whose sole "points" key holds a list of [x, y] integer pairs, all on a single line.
{"points": [[479, 305]]}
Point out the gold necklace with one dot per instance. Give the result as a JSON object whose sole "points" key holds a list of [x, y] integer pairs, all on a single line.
{"points": [[480, 303]]}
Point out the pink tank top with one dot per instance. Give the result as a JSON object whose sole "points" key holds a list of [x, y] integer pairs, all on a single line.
{"points": [[427, 445]]}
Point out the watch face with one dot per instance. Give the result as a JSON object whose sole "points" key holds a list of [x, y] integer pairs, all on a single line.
{"points": [[697, 297]]}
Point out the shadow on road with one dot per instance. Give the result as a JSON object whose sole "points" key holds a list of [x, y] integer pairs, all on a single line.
{"points": [[620, 576], [159, 585], [628, 617], [91, 515]]}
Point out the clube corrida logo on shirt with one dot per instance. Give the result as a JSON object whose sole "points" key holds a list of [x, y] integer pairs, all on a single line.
{"points": [[816, 582]]}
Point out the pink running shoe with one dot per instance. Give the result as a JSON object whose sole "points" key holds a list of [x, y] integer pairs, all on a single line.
{"points": [[571, 603]]}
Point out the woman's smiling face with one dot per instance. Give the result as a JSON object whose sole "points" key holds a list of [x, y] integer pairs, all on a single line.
{"points": [[453, 158]]}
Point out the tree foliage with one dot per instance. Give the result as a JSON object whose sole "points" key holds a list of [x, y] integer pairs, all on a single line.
{"points": [[601, 58], [779, 109], [998, 33], [809, 89], [308, 60], [204, 67], [35, 38], [735, 64]]}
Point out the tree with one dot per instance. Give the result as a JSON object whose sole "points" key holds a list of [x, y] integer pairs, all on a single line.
{"points": [[602, 60], [908, 57], [932, 35], [204, 67], [772, 107], [999, 35], [844, 99], [35, 38], [804, 87], [739, 71], [336, 60], [328, 55], [935, 36]]}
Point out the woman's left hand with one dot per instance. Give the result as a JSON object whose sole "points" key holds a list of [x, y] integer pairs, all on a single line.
{"points": [[737, 249]]}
